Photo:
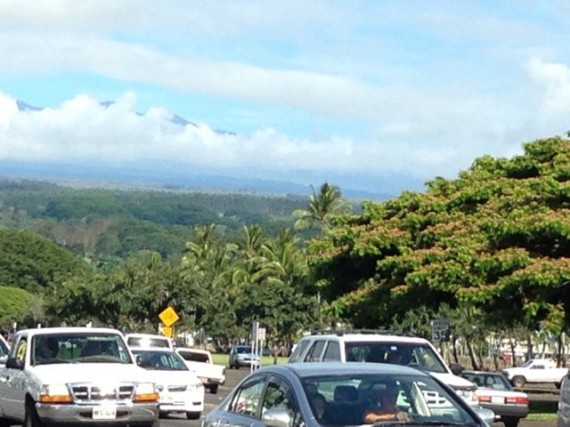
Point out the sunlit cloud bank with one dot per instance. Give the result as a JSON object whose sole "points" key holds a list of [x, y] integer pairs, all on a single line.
{"points": [[84, 130]]}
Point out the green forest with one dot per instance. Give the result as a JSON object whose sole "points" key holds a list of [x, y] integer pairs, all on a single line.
{"points": [[489, 250]]}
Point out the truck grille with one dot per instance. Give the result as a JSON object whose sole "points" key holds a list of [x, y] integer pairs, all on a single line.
{"points": [[98, 392]]}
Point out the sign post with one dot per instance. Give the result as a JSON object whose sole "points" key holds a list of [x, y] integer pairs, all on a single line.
{"points": [[168, 317]]}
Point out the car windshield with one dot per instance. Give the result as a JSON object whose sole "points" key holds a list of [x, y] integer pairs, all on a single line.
{"points": [[159, 360], [379, 398], [243, 350], [527, 363], [418, 355], [88, 347]]}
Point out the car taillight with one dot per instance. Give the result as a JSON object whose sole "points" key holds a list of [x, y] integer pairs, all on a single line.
{"points": [[483, 398], [517, 400]]}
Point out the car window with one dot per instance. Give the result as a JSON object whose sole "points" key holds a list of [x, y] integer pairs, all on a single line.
{"points": [[194, 357], [247, 397], [159, 360], [415, 354], [88, 347], [298, 352], [315, 351], [332, 352], [279, 396], [353, 399]]}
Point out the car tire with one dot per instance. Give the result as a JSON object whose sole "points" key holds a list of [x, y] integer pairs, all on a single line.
{"points": [[193, 415], [518, 381], [162, 414], [214, 389], [510, 422], [31, 418]]}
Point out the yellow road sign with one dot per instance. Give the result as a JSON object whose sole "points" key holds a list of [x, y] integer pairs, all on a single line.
{"points": [[168, 316], [167, 331]]}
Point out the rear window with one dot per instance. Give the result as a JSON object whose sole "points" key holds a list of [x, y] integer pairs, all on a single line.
{"points": [[194, 357], [147, 342]]}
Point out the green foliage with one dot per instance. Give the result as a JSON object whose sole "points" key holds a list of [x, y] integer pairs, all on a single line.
{"points": [[32, 262], [14, 305], [497, 238]]}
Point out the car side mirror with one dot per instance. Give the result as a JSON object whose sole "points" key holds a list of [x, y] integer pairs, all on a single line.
{"points": [[277, 417], [456, 368], [14, 363]]}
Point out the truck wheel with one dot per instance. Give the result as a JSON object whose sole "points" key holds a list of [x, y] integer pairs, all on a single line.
{"points": [[518, 381], [31, 418], [511, 422], [193, 415], [214, 389]]}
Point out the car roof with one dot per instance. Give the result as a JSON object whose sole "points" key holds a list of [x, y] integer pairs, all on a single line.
{"points": [[330, 368], [361, 337], [153, 349], [482, 373], [68, 330], [137, 335]]}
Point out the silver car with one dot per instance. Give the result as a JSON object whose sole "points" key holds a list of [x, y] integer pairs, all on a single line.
{"points": [[333, 393], [242, 356], [564, 403]]}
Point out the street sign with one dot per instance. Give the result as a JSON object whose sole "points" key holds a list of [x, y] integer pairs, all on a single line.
{"points": [[167, 331], [261, 334], [439, 329], [168, 316]]}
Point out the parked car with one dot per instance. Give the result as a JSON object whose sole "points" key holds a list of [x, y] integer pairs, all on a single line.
{"points": [[333, 393], [563, 417], [536, 371], [149, 340], [496, 393], [201, 363], [180, 390], [242, 356], [4, 348]]}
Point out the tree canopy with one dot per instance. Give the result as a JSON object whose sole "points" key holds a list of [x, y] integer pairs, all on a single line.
{"points": [[497, 237]]}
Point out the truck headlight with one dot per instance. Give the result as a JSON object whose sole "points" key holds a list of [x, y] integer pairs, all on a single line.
{"points": [[55, 393], [145, 392]]}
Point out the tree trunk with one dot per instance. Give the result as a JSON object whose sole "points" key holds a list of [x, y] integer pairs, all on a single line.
{"points": [[513, 353], [529, 349], [454, 349], [472, 355]]}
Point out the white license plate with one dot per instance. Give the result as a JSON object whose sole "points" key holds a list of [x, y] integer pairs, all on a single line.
{"points": [[497, 399], [104, 413]]}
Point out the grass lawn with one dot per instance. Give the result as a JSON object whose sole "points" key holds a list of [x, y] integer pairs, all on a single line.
{"points": [[222, 359]]}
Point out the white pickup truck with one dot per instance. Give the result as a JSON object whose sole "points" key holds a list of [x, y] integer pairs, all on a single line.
{"points": [[201, 363], [536, 371], [74, 376]]}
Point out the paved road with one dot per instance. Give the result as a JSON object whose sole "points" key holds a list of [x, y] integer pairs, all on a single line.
{"points": [[233, 376]]}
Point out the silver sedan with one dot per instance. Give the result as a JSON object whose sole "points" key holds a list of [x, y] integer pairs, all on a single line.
{"points": [[326, 394]]}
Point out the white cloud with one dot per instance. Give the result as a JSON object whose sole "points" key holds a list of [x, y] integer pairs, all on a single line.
{"points": [[554, 79], [81, 129]]}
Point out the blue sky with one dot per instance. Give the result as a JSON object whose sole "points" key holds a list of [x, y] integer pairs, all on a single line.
{"points": [[340, 91]]}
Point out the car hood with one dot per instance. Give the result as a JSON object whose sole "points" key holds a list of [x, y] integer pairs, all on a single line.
{"points": [[63, 373]]}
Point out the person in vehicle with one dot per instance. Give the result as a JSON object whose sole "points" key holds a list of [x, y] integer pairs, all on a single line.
{"points": [[47, 348], [385, 408]]}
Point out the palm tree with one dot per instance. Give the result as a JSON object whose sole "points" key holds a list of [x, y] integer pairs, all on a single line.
{"points": [[323, 205]]}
